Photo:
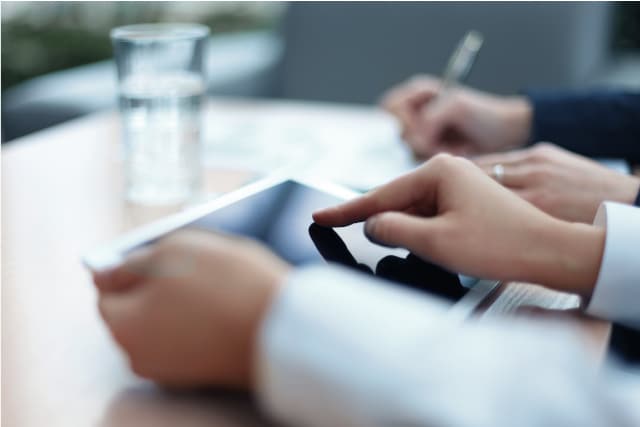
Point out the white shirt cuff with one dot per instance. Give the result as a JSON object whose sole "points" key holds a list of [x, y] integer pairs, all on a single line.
{"points": [[616, 295]]}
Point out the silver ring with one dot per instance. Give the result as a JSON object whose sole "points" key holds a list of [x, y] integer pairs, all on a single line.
{"points": [[498, 172]]}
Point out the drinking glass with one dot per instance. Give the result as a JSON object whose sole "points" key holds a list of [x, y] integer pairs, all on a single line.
{"points": [[161, 84]]}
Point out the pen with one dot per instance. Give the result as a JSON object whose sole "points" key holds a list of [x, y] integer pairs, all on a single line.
{"points": [[461, 60], [458, 67]]}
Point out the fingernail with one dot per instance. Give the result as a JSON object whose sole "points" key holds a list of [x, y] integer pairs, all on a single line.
{"points": [[370, 229], [369, 226]]}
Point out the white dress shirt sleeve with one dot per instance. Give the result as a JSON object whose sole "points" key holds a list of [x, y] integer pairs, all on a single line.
{"points": [[341, 349], [617, 292]]}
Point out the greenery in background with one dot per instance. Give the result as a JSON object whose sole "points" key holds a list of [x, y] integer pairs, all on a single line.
{"points": [[39, 38]]}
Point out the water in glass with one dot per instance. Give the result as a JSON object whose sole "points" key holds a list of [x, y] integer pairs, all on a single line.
{"points": [[161, 119]]}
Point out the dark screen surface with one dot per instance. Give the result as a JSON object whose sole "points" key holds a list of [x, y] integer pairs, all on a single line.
{"points": [[280, 217]]}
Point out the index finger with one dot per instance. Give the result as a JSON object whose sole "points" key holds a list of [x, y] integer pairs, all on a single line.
{"points": [[398, 195]]}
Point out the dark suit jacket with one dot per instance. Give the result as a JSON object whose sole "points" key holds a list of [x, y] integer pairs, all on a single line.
{"points": [[602, 123]]}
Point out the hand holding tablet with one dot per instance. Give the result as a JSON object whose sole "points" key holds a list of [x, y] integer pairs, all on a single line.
{"points": [[186, 310]]}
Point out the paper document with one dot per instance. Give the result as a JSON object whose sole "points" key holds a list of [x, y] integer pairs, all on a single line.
{"points": [[358, 147], [518, 295]]}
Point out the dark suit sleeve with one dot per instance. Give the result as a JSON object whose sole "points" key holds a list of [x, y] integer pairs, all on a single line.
{"points": [[595, 124]]}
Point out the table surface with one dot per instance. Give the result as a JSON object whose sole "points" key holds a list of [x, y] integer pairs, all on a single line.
{"points": [[62, 195]]}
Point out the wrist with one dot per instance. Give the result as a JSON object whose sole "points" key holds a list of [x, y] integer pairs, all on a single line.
{"points": [[518, 117], [574, 254], [629, 190]]}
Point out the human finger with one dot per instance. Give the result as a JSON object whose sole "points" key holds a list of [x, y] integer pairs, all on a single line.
{"points": [[407, 113], [437, 120], [509, 175], [517, 157], [398, 229], [117, 310], [398, 195], [413, 89]]}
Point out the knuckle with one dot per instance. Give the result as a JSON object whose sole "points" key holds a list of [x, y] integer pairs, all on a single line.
{"points": [[464, 163], [542, 151], [545, 146], [442, 160], [448, 162]]}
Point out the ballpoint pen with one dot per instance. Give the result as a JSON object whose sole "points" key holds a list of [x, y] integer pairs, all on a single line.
{"points": [[461, 60], [458, 67]]}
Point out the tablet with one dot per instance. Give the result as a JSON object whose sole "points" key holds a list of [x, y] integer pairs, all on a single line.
{"points": [[277, 212]]}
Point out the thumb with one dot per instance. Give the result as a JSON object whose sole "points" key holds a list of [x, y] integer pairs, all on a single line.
{"points": [[131, 271], [403, 230], [118, 310]]}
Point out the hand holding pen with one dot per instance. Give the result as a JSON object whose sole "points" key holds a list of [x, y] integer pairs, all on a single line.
{"points": [[440, 115]]}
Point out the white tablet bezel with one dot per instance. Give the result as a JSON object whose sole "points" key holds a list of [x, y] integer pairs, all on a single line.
{"points": [[111, 253]]}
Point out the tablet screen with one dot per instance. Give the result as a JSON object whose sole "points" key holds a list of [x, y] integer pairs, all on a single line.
{"points": [[280, 217]]}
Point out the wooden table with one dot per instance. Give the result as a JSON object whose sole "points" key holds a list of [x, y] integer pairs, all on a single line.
{"points": [[61, 195]]}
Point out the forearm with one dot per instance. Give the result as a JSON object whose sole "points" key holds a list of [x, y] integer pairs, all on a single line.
{"points": [[517, 113], [570, 256], [598, 262], [628, 192]]}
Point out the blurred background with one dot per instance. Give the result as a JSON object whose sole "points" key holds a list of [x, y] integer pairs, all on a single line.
{"points": [[56, 56]]}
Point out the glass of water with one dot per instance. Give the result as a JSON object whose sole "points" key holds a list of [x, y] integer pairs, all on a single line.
{"points": [[161, 93]]}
